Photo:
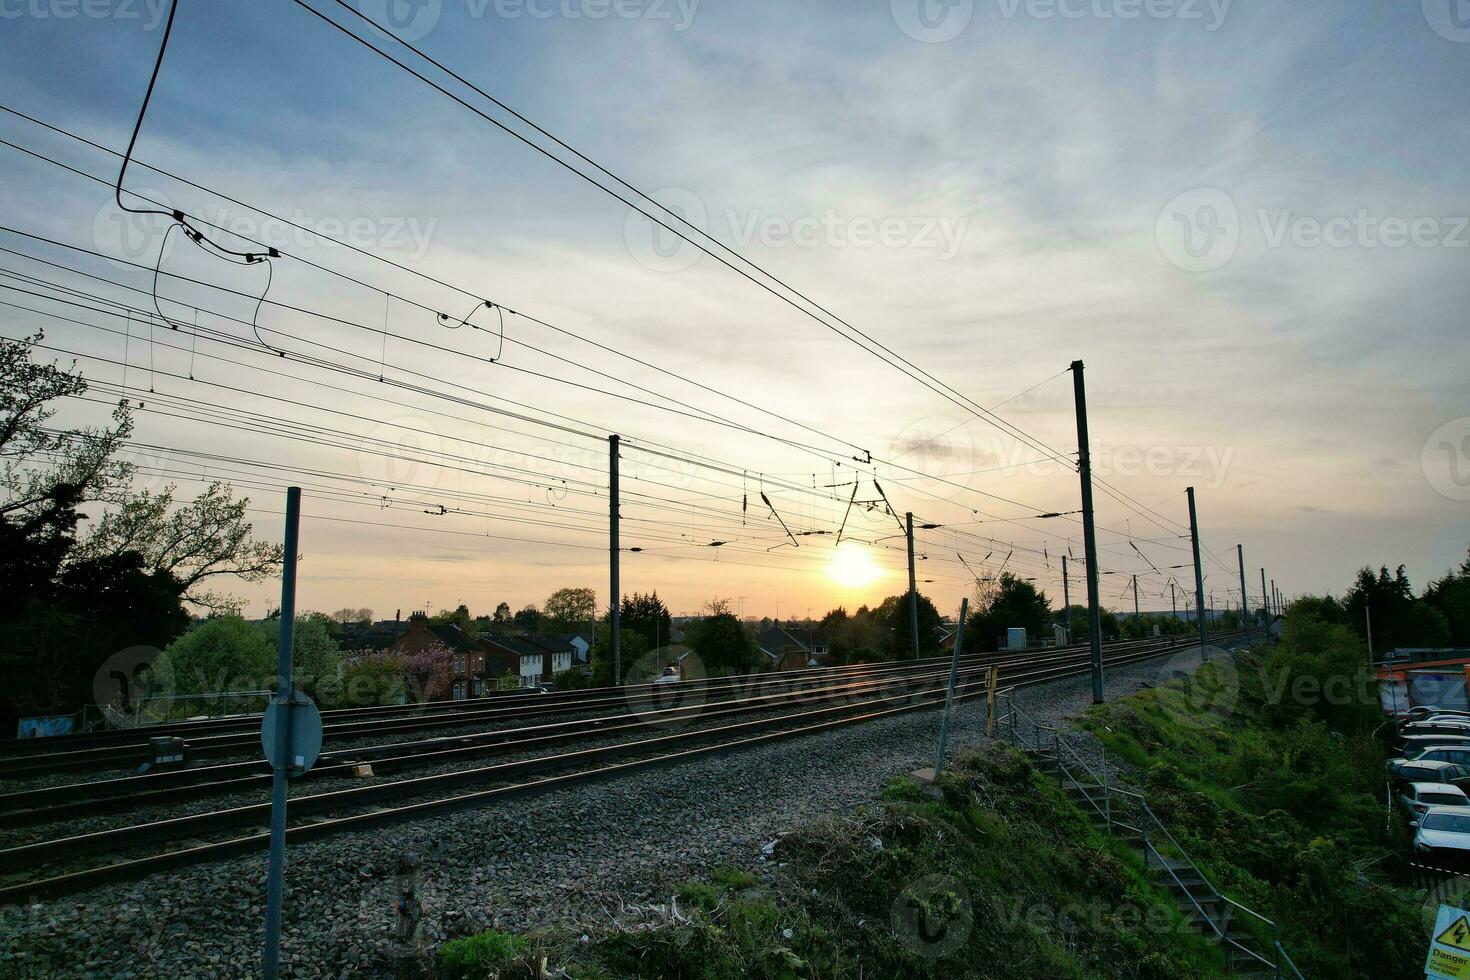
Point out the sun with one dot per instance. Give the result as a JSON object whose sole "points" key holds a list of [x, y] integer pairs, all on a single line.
{"points": [[852, 567]]}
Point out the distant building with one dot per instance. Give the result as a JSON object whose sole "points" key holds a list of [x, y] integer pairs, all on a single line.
{"points": [[794, 648], [536, 659]]}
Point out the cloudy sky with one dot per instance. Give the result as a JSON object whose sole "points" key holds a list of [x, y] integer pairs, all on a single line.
{"points": [[1249, 220]]}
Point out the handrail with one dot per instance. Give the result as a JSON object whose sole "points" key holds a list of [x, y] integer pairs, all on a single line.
{"points": [[1068, 759]]}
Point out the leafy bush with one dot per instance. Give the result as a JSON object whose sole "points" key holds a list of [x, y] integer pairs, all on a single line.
{"points": [[1003, 863], [474, 957], [1279, 794]]}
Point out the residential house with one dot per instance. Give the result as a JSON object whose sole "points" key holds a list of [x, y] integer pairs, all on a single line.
{"points": [[794, 648], [471, 669]]}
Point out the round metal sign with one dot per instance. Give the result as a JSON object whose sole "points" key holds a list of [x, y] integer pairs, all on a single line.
{"points": [[306, 734]]}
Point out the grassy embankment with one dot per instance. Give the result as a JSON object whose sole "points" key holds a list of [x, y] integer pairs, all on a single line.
{"points": [[1002, 877], [1269, 771]]}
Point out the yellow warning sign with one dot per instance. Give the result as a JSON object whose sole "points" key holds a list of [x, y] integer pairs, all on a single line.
{"points": [[1451, 966], [1457, 935], [1449, 954]]}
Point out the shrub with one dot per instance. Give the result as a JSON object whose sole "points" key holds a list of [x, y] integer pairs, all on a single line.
{"points": [[474, 957]]}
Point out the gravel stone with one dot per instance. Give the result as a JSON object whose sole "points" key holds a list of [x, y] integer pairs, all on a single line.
{"points": [[572, 857]]}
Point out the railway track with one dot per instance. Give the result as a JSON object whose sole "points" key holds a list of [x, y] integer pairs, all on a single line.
{"points": [[837, 699], [241, 734]]}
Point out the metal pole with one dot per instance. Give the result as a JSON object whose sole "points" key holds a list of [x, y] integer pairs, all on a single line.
{"points": [[1173, 604], [1245, 599], [913, 587], [954, 673], [1137, 620], [1368, 622], [614, 621], [1265, 602], [1067, 599], [1275, 605], [1089, 531], [281, 764], [1199, 576]]}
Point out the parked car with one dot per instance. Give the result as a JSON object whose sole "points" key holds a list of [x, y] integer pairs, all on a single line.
{"points": [[1424, 712], [1443, 832], [1413, 743], [1419, 797], [669, 676], [1440, 727], [1458, 754], [1433, 772]]}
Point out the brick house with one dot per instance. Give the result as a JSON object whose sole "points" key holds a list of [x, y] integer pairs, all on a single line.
{"points": [[472, 669]]}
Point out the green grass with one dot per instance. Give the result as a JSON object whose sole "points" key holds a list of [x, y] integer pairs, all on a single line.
{"points": [[1278, 795], [1000, 877]]}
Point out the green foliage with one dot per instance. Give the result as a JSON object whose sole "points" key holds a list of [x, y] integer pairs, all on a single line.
{"points": [[648, 616], [856, 639], [723, 645], [223, 653], [1399, 620], [475, 957], [459, 616], [893, 621], [570, 608], [70, 600], [633, 647], [1267, 771], [1004, 867], [370, 681], [572, 680], [1450, 597], [1012, 603]]}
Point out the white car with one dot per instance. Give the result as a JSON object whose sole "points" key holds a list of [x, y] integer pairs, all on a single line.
{"points": [[1420, 798], [1457, 754], [1426, 711], [1445, 829]]}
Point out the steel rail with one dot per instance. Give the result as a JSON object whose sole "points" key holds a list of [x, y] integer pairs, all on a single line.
{"points": [[120, 756], [727, 738], [114, 795]]}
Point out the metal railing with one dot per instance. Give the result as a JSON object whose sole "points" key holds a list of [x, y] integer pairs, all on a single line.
{"points": [[1117, 806]]}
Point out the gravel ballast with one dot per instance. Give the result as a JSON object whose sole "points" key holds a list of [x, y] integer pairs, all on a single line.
{"points": [[574, 855]]}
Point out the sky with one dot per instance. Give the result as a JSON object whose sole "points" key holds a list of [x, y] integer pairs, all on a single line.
{"points": [[1248, 220]]}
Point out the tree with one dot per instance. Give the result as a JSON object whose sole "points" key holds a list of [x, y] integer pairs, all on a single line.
{"points": [[69, 600], [528, 618], [345, 616], [196, 542], [722, 644], [371, 681], [647, 615], [1451, 597], [718, 607], [834, 619], [458, 616], [1012, 603], [569, 608], [1399, 620], [502, 614], [893, 618], [223, 653], [317, 663], [632, 647], [856, 639]]}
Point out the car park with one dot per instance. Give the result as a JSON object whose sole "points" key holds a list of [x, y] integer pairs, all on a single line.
{"points": [[1411, 744], [1436, 728], [1458, 754], [1444, 832], [1424, 712], [1417, 798], [1433, 772]]}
